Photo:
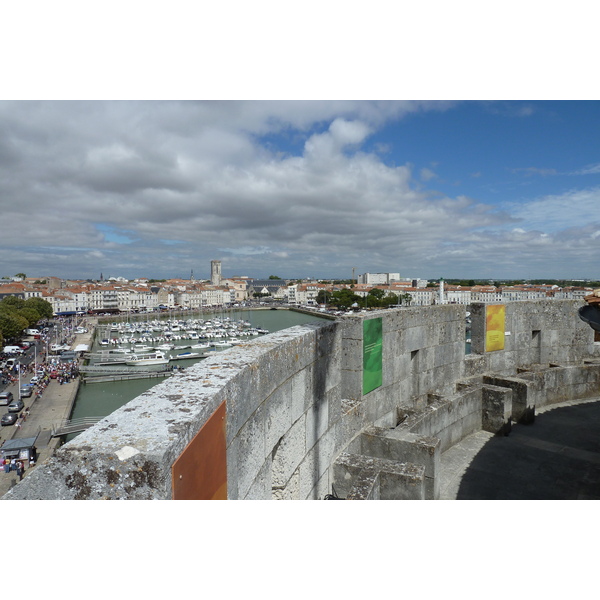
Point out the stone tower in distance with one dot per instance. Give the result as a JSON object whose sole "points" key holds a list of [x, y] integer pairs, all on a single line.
{"points": [[215, 272]]}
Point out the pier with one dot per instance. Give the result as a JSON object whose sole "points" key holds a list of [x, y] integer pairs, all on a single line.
{"points": [[121, 376]]}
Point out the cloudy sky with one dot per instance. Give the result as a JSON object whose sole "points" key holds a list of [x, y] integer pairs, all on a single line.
{"points": [[475, 189]]}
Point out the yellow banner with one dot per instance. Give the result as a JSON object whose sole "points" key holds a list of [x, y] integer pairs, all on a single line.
{"points": [[494, 327]]}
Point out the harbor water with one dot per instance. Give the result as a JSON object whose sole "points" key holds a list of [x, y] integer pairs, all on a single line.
{"points": [[101, 399]]}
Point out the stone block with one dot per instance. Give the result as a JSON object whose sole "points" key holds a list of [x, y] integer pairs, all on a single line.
{"points": [[352, 354], [402, 446], [261, 487], [352, 384], [251, 451], [302, 393], [278, 414], [317, 420], [288, 453], [522, 401], [355, 477], [400, 481]]}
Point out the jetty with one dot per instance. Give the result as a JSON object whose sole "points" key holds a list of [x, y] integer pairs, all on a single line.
{"points": [[125, 376]]}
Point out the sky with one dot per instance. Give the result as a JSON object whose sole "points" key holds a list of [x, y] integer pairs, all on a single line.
{"points": [[291, 151], [469, 189]]}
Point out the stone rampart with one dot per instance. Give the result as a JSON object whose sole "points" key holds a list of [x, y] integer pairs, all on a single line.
{"points": [[290, 416]]}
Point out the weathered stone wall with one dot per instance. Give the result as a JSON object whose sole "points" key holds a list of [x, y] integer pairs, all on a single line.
{"points": [[296, 414], [423, 353], [539, 332], [282, 396]]}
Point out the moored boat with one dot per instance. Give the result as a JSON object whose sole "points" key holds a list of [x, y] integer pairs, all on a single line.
{"points": [[155, 358]]}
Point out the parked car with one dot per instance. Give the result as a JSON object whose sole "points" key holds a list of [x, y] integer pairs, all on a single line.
{"points": [[9, 419], [16, 406], [5, 398], [25, 391]]}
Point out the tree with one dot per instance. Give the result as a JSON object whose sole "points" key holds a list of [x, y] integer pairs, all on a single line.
{"points": [[21, 275], [344, 298], [43, 307], [390, 300], [12, 325], [32, 315], [324, 296], [12, 302], [274, 277]]}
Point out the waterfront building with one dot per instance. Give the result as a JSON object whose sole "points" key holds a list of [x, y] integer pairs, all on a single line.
{"points": [[238, 287], [276, 288], [61, 303]]}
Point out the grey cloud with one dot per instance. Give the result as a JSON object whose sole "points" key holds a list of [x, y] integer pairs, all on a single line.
{"points": [[195, 172]]}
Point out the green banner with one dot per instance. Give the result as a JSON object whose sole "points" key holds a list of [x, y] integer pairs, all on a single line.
{"points": [[372, 354]]}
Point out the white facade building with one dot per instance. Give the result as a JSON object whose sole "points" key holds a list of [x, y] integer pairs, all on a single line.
{"points": [[377, 278]]}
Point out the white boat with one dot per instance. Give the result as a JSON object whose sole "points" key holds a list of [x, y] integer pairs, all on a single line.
{"points": [[221, 344], [184, 355], [156, 358], [142, 349]]}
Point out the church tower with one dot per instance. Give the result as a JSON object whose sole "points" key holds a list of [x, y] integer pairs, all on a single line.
{"points": [[215, 272]]}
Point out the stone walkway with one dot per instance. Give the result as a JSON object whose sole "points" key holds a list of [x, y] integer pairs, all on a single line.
{"points": [[555, 458]]}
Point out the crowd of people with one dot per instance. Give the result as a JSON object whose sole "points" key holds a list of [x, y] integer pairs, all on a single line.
{"points": [[41, 373], [46, 367], [17, 465], [37, 370]]}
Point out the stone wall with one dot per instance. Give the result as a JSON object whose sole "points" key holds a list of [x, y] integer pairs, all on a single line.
{"points": [[289, 411]]}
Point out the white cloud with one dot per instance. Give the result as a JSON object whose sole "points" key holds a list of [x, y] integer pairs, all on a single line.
{"points": [[427, 175], [589, 170], [553, 213], [184, 182]]}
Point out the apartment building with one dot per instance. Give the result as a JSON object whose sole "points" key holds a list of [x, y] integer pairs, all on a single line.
{"points": [[377, 278]]}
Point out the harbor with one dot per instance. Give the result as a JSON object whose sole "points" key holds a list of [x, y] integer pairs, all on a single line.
{"points": [[103, 396]]}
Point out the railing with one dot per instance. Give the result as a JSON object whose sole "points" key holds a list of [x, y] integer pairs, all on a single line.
{"points": [[74, 425]]}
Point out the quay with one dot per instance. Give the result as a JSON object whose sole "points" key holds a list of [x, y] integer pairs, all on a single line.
{"points": [[47, 412], [126, 376]]}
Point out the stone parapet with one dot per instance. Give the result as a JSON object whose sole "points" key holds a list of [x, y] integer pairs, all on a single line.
{"points": [[288, 409]]}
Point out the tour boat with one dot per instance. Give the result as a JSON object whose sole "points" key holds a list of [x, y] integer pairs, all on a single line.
{"points": [[156, 358]]}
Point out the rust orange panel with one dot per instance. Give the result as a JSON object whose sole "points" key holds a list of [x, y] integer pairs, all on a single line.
{"points": [[200, 472]]}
